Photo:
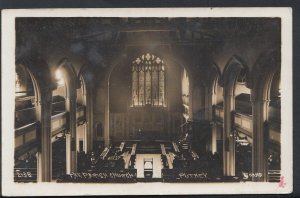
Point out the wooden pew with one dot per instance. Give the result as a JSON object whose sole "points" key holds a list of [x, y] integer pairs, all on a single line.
{"points": [[175, 147], [122, 146], [133, 150], [163, 149], [104, 153]]}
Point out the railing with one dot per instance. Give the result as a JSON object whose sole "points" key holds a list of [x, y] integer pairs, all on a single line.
{"points": [[26, 135], [26, 138], [58, 123], [244, 124], [80, 114], [219, 112], [24, 117], [24, 98], [58, 107]]}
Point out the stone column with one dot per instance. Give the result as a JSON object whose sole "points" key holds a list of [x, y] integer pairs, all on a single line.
{"points": [[44, 156], [89, 119], [214, 138], [210, 101], [208, 104], [259, 153], [68, 153], [228, 136], [85, 138], [71, 151]]}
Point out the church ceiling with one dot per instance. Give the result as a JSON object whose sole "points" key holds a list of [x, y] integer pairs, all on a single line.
{"points": [[93, 39]]}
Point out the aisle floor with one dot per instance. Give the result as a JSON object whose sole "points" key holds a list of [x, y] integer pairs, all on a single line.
{"points": [[157, 166]]}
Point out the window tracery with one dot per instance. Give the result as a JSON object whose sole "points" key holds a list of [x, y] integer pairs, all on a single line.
{"points": [[148, 81]]}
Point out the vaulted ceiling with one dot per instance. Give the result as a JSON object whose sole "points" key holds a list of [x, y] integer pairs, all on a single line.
{"points": [[92, 40]]}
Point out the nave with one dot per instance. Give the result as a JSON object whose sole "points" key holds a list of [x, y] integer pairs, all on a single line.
{"points": [[191, 99]]}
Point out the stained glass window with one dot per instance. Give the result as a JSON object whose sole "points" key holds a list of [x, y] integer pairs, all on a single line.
{"points": [[148, 81]]}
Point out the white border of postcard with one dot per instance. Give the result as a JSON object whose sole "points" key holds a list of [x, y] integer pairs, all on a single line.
{"points": [[8, 98]]}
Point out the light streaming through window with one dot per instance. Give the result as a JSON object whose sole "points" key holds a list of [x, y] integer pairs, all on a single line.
{"points": [[59, 78], [148, 81]]}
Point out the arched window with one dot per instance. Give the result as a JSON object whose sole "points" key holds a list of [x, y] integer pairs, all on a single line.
{"points": [[148, 81]]}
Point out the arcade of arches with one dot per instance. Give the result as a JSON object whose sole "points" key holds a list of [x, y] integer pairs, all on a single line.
{"points": [[188, 94]]}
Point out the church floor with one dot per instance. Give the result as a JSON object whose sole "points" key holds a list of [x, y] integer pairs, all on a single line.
{"points": [[156, 165]]}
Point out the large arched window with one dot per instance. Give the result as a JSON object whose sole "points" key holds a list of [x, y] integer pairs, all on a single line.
{"points": [[148, 81]]}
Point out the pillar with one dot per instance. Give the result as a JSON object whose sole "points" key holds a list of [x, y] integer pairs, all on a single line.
{"points": [[259, 153], [228, 136], [208, 104], [44, 156], [68, 153], [214, 139], [210, 101], [88, 101], [85, 138], [71, 151]]}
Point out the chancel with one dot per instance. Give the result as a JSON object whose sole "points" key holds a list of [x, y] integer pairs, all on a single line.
{"points": [[147, 100]]}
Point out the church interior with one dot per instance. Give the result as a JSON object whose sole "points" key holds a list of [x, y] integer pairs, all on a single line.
{"points": [[103, 99]]}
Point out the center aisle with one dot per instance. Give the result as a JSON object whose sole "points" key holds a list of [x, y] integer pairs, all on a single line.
{"points": [[157, 166]]}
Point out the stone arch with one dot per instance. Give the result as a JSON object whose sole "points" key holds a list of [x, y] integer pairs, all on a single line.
{"points": [[70, 76], [260, 82], [87, 75], [39, 72], [43, 84], [71, 83], [262, 74], [105, 82], [87, 78], [234, 67], [190, 77], [213, 78], [231, 72]]}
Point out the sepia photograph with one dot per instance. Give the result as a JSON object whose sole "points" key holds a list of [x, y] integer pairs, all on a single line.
{"points": [[160, 99]]}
